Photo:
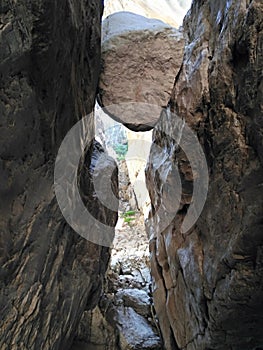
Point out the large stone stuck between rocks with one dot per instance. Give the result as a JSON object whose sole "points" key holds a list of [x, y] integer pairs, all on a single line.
{"points": [[140, 59]]}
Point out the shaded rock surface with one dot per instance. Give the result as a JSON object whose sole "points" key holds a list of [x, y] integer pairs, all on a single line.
{"points": [[49, 67], [208, 284], [124, 319], [140, 59], [135, 332]]}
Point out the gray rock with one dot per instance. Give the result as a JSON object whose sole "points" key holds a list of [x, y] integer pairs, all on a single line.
{"points": [[49, 68], [137, 299], [135, 332]]}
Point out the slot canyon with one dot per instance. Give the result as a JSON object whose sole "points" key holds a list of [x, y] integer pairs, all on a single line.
{"points": [[148, 116]]}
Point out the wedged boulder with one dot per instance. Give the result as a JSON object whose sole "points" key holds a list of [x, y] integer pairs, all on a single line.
{"points": [[49, 68], [140, 59], [208, 281], [134, 331]]}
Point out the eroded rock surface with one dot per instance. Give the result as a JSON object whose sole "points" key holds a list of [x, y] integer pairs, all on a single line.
{"points": [[208, 282], [168, 11], [140, 59], [124, 319], [50, 53]]}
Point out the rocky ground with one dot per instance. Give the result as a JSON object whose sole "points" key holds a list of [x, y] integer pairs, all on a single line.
{"points": [[125, 318]]}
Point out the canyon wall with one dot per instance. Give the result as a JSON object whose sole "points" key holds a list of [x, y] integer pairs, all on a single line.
{"points": [[208, 284], [49, 67], [168, 11]]}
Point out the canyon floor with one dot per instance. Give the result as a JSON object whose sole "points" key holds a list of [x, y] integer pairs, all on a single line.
{"points": [[125, 317]]}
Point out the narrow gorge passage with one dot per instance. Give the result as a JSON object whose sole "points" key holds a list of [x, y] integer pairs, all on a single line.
{"points": [[125, 317], [189, 269], [191, 278]]}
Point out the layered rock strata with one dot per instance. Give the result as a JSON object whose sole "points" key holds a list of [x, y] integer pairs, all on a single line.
{"points": [[208, 281], [49, 67]]}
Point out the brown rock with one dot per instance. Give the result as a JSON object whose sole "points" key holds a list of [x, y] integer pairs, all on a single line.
{"points": [[208, 281], [140, 59]]}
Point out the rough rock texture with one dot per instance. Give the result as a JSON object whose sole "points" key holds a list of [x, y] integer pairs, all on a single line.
{"points": [[49, 66], [140, 59], [208, 284], [125, 317], [168, 11]]}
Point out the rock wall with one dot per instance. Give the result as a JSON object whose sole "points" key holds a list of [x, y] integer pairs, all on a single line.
{"points": [[208, 282], [139, 144], [49, 67]]}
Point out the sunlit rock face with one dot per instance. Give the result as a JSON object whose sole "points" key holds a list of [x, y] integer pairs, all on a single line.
{"points": [[49, 67], [135, 146], [140, 59], [168, 11], [208, 282]]}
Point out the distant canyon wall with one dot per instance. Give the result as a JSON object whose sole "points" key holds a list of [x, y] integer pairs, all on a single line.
{"points": [[168, 11]]}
